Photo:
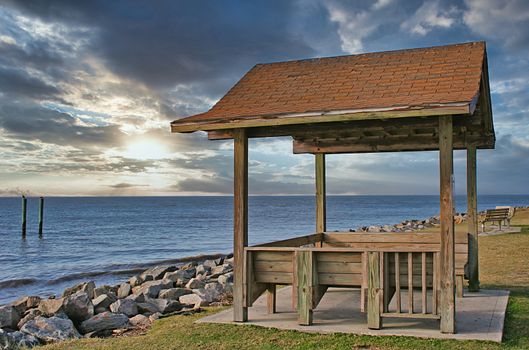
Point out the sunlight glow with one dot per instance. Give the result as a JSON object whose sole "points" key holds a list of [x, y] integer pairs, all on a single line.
{"points": [[146, 149]]}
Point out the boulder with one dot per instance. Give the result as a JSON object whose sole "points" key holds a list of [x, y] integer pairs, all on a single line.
{"points": [[147, 307], [195, 283], [78, 307], [50, 307], [152, 288], [229, 261], [87, 287], [173, 293], [184, 275], [138, 298], [108, 290], [104, 321], [202, 270], [209, 263], [135, 281], [9, 317], [102, 302], [225, 279], [220, 270], [124, 306], [52, 329], [157, 272], [374, 229], [124, 290], [25, 303], [22, 340], [140, 321], [193, 299], [28, 316], [219, 261], [166, 306]]}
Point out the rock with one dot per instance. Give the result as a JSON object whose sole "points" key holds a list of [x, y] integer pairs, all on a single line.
{"points": [[124, 290], [147, 307], [87, 287], [50, 307], [102, 302], [137, 298], [104, 321], [30, 315], [209, 263], [193, 299], [78, 307], [6, 343], [225, 279], [51, 329], [157, 272], [373, 229], [152, 288], [219, 261], [136, 281], [220, 270], [124, 306], [202, 270], [229, 260], [140, 321], [108, 290], [174, 293], [184, 275], [154, 316], [25, 303], [213, 291], [195, 283], [20, 339], [9, 317], [166, 306]]}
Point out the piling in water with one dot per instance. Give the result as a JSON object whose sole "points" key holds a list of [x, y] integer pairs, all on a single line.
{"points": [[24, 212], [41, 215]]}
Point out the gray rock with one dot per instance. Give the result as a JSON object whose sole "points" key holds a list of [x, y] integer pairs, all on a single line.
{"points": [[52, 329], [29, 315], [104, 321], [9, 316], [220, 270], [184, 275], [20, 339], [138, 298], [219, 261], [50, 307], [136, 281], [140, 321], [173, 293], [87, 287], [108, 290], [193, 299], [166, 306], [152, 288], [6, 343], [25, 303], [154, 316], [157, 272], [229, 261], [225, 279], [124, 290], [78, 307], [103, 301], [209, 263], [147, 307], [124, 306], [195, 283]]}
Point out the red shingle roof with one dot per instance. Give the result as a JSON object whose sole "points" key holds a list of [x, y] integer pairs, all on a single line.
{"points": [[404, 79]]}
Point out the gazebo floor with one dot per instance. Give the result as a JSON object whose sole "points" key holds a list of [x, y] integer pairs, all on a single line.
{"points": [[479, 316]]}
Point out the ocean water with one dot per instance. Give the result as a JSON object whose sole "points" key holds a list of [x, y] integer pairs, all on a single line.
{"points": [[108, 239]]}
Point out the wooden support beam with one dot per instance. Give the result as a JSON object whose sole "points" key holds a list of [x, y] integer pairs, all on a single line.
{"points": [[472, 220], [447, 248], [240, 222], [374, 291], [321, 225], [305, 286], [271, 299]]}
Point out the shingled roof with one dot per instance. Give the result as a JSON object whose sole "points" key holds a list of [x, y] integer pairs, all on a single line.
{"points": [[431, 81]]}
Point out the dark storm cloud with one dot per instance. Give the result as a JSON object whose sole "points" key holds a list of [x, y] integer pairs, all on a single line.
{"points": [[164, 43], [17, 82], [34, 122]]}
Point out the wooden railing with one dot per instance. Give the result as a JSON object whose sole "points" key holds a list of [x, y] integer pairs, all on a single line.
{"points": [[391, 272]]}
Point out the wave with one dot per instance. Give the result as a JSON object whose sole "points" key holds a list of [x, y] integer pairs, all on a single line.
{"points": [[17, 282]]}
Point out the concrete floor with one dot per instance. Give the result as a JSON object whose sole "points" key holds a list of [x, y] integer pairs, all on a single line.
{"points": [[478, 316]]}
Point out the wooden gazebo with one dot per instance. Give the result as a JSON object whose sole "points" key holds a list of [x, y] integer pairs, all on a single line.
{"points": [[423, 99]]}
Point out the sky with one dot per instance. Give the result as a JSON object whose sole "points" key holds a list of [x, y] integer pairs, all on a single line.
{"points": [[88, 89]]}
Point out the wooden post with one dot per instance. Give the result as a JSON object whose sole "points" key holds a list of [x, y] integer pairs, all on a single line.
{"points": [[271, 298], [304, 286], [240, 221], [24, 215], [321, 225], [447, 249], [472, 220], [374, 291], [41, 215]]}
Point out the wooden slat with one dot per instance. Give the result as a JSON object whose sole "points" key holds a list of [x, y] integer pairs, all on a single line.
{"points": [[304, 262], [397, 282], [341, 279], [295, 242], [410, 283], [374, 290], [273, 256], [423, 282], [272, 266], [405, 315], [354, 257], [339, 267], [273, 277], [271, 299], [435, 283], [386, 237], [321, 225]]}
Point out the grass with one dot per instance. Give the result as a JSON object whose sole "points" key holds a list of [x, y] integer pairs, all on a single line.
{"points": [[503, 264]]}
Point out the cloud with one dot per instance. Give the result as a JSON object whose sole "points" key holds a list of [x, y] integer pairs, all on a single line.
{"points": [[122, 185], [430, 16]]}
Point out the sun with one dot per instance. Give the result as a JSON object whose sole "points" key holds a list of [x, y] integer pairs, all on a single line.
{"points": [[146, 149]]}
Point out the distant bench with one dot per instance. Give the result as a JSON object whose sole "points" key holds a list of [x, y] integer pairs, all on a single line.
{"points": [[498, 215]]}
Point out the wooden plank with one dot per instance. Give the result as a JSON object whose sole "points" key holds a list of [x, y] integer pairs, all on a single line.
{"points": [[363, 288], [446, 256], [459, 286], [273, 256], [317, 117], [386, 237], [273, 277], [384, 282], [423, 283], [271, 299], [353, 257], [435, 286], [397, 282], [405, 315], [240, 221], [295, 242], [304, 279], [410, 283], [321, 225], [472, 221], [387, 246], [341, 279], [326, 249], [339, 267], [272, 266], [374, 291]]}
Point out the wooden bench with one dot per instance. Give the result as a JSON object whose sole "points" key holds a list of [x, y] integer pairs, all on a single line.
{"points": [[512, 211], [495, 215]]}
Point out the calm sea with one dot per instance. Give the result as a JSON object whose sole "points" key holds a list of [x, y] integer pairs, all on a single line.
{"points": [[106, 238]]}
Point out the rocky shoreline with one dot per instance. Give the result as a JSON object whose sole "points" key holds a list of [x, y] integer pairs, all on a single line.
{"points": [[86, 310]]}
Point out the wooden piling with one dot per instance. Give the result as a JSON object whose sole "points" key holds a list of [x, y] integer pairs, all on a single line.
{"points": [[41, 215], [24, 215]]}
